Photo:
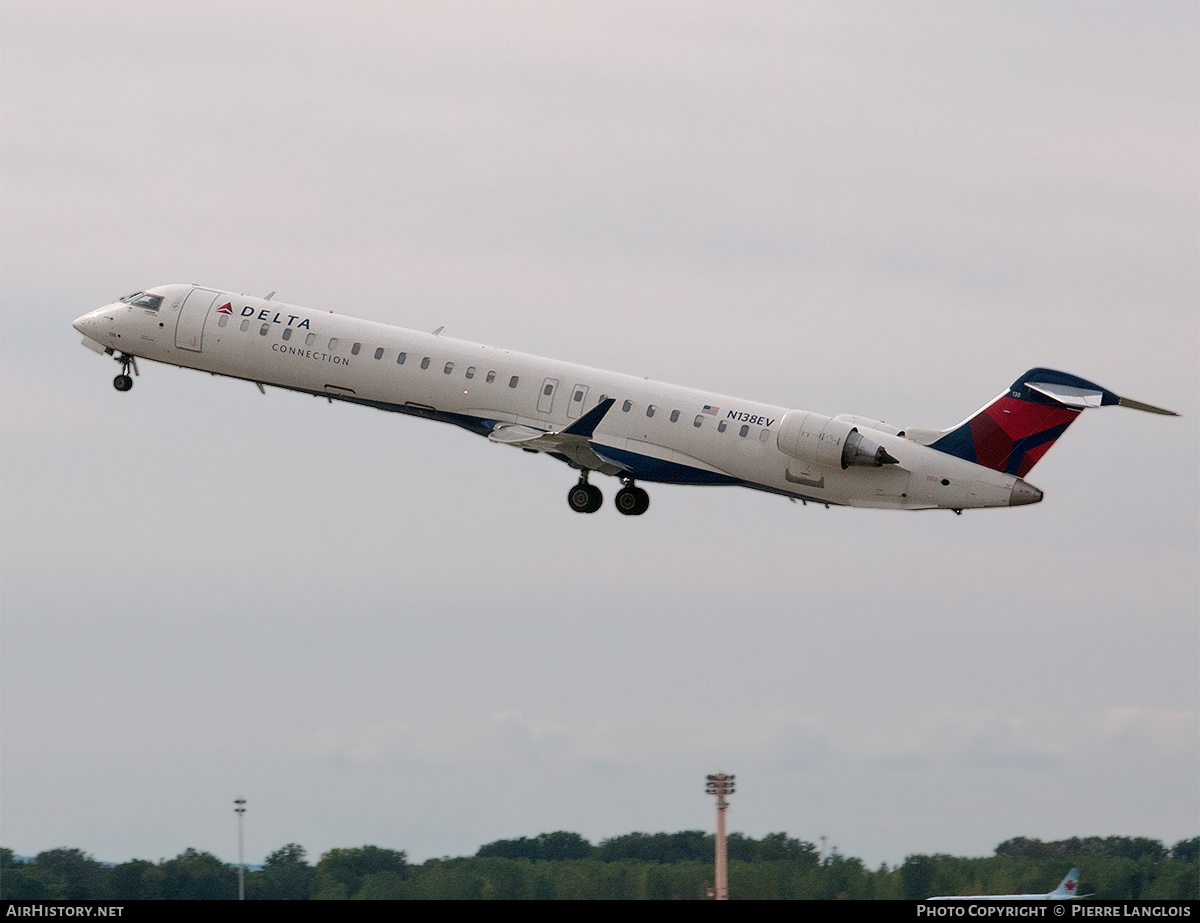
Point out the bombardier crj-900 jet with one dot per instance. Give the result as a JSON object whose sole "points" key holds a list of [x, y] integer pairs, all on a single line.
{"points": [[636, 430]]}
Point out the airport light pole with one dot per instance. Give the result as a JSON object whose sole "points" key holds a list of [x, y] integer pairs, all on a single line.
{"points": [[239, 808], [721, 785]]}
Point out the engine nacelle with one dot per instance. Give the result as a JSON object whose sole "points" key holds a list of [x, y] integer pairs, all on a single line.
{"points": [[868, 423], [826, 442]]}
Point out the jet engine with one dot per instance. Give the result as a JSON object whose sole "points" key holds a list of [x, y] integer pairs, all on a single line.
{"points": [[820, 440], [868, 423]]}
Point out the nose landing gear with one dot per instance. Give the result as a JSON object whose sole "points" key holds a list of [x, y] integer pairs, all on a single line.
{"points": [[123, 382]]}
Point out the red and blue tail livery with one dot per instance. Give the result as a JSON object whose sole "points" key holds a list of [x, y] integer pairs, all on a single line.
{"points": [[1014, 431]]}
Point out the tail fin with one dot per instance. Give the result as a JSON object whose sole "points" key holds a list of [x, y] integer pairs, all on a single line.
{"points": [[1068, 887], [1016, 429]]}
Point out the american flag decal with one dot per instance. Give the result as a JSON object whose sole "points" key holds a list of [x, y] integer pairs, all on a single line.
{"points": [[226, 308], [711, 410]]}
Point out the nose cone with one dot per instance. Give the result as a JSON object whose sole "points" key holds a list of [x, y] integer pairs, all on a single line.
{"points": [[1023, 494], [95, 325]]}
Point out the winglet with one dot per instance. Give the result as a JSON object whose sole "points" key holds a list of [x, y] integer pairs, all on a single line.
{"points": [[586, 425]]}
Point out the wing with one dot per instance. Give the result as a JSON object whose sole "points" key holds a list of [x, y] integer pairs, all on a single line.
{"points": [[573, 444]]}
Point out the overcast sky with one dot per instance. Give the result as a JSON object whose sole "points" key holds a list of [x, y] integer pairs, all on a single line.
{"points": [[381, 630]]}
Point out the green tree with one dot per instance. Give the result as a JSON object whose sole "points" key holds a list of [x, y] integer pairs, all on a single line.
{"points": [[1023, 848], [546, 847], [916, 876], [779, 847], [198, 876], [285, 875], [133, 880], [71, 873], [347, 867], [1186, 850]]}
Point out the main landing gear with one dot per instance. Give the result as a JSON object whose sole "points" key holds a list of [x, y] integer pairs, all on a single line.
{"points": [[586, 498], [631, 501], [123, 382]]}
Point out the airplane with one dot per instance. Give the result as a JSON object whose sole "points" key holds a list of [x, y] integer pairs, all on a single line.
{"points": [[630, 428], [1064, 892]]}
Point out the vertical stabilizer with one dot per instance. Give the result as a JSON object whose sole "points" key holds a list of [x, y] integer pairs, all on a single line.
{"points": [[1016, 429], [1068, 887]]}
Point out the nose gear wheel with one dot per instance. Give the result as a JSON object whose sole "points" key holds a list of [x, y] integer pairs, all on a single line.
{"points": [[123, 382]]}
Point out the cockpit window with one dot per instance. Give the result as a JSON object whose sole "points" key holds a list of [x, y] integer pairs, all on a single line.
{"points": [[150, 302]]}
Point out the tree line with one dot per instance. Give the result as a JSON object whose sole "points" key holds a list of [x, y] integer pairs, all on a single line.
{"points": [[635, 866]]}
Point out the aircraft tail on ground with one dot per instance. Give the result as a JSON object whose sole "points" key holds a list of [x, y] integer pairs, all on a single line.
{"points": [[1016, 429], [1068, 887]]}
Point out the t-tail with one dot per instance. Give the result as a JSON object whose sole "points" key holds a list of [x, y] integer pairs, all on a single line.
{"points": [[1015, 430]]}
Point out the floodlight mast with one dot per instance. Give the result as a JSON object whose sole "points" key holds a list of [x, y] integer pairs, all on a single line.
{"points": [[721, 785], [239, 808]]}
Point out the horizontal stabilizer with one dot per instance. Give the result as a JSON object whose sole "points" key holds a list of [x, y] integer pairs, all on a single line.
{"points": [[1068, 395], [1149, 408]]}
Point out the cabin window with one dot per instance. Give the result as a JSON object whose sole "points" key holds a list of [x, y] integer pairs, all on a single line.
{"points": [[355, 349], [470, 371], [548, 390], [308, 340], [721, 427], [262, 331], [449, 368], [699, 421], [744, 431], [674, 416], [400, 358], [491, 376], [764, 435], [626, 407], [379, 353], [245, 325], [287, 333], [577, 397], [512, 382], [425, 363], [650, 410], [333, 343], [225, 320]]}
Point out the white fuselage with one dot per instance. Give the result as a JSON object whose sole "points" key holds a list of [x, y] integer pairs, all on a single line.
{"points": [[654, 431]]}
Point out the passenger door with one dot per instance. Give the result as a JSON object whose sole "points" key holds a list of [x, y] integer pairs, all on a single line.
{"points": [[189, 329]]}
